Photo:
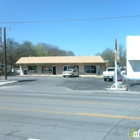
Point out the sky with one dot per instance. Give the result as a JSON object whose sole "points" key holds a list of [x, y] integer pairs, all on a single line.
{"points": [[83, 37]]}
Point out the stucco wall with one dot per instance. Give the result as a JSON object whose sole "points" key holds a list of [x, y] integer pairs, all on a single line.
{"points": [[21, 70], [133, 57], [59, 69], [81, 69], [133, 69], [39, 69]]}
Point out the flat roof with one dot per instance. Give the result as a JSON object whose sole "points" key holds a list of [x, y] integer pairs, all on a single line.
{"points": [[61, 59]]}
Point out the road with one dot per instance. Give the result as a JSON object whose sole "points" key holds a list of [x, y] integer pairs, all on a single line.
{"points": [[47, 109]]}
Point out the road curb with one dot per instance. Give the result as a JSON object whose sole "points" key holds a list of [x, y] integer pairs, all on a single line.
{"points": [[106, 91]]}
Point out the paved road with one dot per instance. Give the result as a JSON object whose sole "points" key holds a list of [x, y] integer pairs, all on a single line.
{"points": [[52, 109]]}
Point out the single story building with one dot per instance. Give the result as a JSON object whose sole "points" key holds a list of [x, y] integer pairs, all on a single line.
{"points": [[54, 65], [133, 57]]}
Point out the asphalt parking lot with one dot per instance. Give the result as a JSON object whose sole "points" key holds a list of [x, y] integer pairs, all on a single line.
{"points": [[73, 83]]}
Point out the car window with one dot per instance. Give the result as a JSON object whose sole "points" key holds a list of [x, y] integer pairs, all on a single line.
{"points": [[111, 69]]}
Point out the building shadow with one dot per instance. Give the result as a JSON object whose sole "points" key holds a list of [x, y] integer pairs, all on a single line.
{"points": [[30, 80]]}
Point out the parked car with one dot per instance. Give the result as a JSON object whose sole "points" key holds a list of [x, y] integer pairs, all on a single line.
{"points": [[70, 72], [17, 71], [109, 73], [123, 71]]}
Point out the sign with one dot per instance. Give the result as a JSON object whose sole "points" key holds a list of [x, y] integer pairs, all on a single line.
{"points": [[133, 134]]}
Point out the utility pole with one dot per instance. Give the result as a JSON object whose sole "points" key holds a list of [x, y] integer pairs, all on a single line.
{"points": [[5, 54], [116, 59]]}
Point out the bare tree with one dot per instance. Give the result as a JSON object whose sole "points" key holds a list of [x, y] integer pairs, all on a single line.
{"points": [[122, 55], [12, 52], [108, 54]]}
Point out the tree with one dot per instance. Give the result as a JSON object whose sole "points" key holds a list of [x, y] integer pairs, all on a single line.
{"points": [[122, 55], [40, 50], [12, 52], [55, 51], [70, 53], [16, 50], [108, 54], [26, 49]]}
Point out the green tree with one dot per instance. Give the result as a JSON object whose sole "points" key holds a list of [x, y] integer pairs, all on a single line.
{"points": [[40, 50], [55, 51]]}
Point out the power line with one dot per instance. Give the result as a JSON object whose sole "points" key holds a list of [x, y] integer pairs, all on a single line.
{"points": [[70, 20]]}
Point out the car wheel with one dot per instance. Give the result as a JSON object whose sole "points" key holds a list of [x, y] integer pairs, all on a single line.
{"points": [[104, 79], [64, 76]]}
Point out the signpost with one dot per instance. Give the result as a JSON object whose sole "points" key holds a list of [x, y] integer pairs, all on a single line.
{"points": [[116, 60], [117, 85]]}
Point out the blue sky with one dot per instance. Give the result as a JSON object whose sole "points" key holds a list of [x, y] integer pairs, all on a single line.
{"points": [[82, 37]]}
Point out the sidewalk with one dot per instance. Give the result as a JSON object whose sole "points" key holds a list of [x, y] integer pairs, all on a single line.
{"points": [[4, 82]]}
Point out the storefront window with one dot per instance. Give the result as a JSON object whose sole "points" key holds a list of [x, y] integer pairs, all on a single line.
{"points": [[32, 69], [47, 69], [90, 69], [71, 67]]}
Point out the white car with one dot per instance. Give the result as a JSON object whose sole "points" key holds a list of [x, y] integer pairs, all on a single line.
{"points": [[109, 73], [70, 72], [124, 71], [17, 71]]}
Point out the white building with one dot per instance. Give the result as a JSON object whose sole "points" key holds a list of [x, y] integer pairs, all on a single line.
{"points": [[133, 57]]}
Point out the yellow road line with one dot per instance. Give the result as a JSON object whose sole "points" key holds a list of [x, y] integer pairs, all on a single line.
{"points": [[74, 102], [72, 113]]}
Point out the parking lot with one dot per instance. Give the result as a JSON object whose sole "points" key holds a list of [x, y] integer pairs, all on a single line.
{"points": [[73, 83]]}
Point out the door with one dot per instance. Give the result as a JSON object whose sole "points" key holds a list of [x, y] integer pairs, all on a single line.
{"points": [[54, 70]]}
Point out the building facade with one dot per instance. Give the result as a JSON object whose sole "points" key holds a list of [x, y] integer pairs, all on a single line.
{"points": [[90, 65], [133, 57]]}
